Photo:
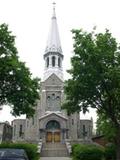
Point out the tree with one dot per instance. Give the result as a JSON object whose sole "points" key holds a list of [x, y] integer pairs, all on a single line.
{"points": [[106, 128], [95, 78], [17, 87]]}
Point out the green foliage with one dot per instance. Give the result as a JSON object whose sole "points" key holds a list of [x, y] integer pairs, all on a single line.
{"points": [[73, 148], [87, 152], [106, 128], [17, 87], [95, 74], [95, 78], [31, 149], [110, 152]]}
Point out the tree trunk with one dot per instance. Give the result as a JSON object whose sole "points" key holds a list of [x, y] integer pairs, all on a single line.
{"points": [[118, 153], [118, 145]]}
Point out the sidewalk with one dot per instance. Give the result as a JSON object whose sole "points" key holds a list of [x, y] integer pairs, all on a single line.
{"points": [[55, 158]]}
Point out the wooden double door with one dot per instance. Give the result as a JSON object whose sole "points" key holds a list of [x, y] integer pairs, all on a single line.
{"points": [[53, 137]]}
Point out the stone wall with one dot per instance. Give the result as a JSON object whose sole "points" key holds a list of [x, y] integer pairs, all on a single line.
{"points": [[18, 129], [86, 128], [5, 132]]}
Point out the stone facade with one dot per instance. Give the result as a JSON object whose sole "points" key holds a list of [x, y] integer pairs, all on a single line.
{"points": [[86, 127], [5, 132], [19, 126], [50, 123]]}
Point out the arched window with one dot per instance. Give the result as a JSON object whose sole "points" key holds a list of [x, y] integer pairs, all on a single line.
{"points": [[14, 130], [59, 62], [72, 121], [53, 96], [53, 125], [58, 98], [47, 61], [53, 61], [48, 97]]}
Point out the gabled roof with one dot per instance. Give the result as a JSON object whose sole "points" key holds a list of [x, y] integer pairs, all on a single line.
{"points": [[53, 113], [53, 75]]}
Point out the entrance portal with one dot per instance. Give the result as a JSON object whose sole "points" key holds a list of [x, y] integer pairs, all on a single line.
{"points": [[57, 137], [53, 137], [53, 131], [49, 137]]}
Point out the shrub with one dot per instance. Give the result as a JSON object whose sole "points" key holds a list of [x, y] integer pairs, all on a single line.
{"points": [[110, 152], [87, 152], [31, 149], [73, 148]]}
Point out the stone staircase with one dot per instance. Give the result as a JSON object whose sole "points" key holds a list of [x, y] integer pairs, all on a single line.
{"points": [[54, 150]]}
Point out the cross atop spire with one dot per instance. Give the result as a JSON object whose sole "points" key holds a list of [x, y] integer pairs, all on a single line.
{"points": [[54, 15], [54, 5]]}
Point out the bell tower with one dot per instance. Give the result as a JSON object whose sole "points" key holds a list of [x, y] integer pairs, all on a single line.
{"points": [[53, 53]]}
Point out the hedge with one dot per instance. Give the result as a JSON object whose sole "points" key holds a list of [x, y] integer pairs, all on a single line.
{"points": [[87, 152], [31, 149], [110, 152]]}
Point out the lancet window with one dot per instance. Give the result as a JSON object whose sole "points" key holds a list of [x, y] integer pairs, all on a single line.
{"points": [[47, 61], [59, 62], [53, 61]]}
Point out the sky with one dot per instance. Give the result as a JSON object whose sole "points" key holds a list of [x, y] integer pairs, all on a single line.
{"points": [[29, 21]]}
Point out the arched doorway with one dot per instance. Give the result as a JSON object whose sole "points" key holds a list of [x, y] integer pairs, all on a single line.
{"points": [[53, 131]]}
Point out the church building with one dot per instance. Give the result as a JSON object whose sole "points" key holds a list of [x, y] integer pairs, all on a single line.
{"points": [[50, 123]]}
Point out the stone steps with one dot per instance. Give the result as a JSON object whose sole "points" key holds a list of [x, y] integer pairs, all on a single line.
{"points": [[54, 150]]}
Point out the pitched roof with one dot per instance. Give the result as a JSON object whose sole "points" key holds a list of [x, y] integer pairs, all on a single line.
{"points": [[53, 113]]}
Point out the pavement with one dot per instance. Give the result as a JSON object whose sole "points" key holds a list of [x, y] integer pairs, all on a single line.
{"points": [[55, 158]]}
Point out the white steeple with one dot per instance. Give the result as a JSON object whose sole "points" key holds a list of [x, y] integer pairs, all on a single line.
{"points": [[53, 42], [53, 52]]}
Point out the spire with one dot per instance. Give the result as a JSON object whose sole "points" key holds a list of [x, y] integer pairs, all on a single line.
{"points": [[53, 42], [53, 53]]}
